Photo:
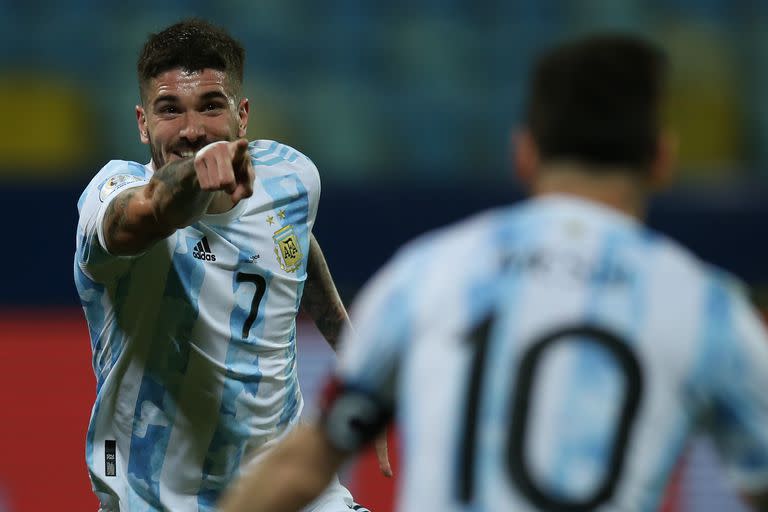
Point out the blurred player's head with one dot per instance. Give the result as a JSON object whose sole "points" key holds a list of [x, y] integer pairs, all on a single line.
{"points": [[594, 108], [190, 79]]}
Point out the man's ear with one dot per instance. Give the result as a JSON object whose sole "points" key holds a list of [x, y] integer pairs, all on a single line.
{"points": [[141, 121], [526, 157], [242, 114], [665, 162]]}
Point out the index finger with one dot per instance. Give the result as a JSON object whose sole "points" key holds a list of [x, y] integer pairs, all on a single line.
{"points": [[240, 149]]}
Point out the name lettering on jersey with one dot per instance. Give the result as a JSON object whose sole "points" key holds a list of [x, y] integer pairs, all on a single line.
{"points": [[572, 266], [115, 183], [202, 251], [287, 249]]}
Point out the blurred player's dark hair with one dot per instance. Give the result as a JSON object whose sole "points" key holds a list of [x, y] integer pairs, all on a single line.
{"points": [[597, 101], [192, 44]]}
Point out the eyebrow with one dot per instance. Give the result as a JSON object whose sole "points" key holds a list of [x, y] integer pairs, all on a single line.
{"points": [[205, 97], [165, 97], [214, 95]]}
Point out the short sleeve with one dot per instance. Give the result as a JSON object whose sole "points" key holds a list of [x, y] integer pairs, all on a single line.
{"points": [[271, 158], [309, 176], [92, 256], [312, 182], [739, 415]]}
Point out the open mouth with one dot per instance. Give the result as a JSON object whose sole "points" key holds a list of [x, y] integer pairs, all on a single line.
{"points": [[184, 154]]}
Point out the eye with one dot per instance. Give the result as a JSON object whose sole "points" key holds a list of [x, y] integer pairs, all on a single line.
{"points": [[168, 109], [212, 107]]}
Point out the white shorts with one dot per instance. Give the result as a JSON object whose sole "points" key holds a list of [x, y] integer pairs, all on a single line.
{"points": [[335, 498]]}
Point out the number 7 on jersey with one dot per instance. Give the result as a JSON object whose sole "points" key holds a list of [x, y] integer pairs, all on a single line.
{"points": [[261, 287]]}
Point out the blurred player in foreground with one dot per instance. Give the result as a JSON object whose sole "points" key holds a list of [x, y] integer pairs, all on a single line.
{"points": [[191, 270], [554, 355]]}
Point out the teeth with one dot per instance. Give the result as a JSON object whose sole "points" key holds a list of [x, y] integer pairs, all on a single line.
{"points": [[187, 154]]}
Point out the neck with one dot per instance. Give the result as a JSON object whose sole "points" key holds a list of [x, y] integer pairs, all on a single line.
{"points": [[617, 189]]}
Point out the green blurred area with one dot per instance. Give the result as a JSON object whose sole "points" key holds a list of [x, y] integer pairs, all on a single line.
{"points": [[391, 91], [49, 130]]}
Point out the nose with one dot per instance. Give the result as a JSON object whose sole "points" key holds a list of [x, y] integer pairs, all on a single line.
{"points": [[193, 129]]}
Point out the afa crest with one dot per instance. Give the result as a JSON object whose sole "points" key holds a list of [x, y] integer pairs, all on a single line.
{"points": [[287, 249]]}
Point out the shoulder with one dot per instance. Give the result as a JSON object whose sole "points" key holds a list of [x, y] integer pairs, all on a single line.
{"points": [[115, 175], [121, 168], [481, 226], [270, 153], [273, 159], [475, 241], [412, 284], [681, 265]]}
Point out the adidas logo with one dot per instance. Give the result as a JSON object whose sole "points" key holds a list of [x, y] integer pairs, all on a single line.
{"points": [[202, 250]]}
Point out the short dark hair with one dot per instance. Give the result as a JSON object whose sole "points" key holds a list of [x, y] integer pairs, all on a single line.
{"points": [[193, 45], [597, 101]]}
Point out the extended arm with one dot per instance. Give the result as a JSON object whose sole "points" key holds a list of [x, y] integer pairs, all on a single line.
{"points": [[141, 216], [289, 477], [321, 299], [738, 408], [176, 196]]}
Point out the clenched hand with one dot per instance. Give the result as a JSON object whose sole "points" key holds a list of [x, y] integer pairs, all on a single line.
{"points": [[225, 166]]}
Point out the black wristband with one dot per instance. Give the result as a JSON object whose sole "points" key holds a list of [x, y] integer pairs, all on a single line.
{"points": [[353, 418]]}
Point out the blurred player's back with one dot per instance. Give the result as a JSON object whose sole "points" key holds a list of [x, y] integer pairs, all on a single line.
{"points": [[561, 354], [554, 356]]}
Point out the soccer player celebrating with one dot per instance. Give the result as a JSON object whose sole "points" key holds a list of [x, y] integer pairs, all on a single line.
{"points": [[191, 270], [564, 363]]}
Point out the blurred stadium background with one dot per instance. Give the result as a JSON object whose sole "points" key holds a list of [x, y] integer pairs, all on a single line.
{"points": [[407, 109]]}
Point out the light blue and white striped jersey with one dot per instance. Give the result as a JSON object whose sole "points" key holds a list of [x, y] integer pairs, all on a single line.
{"points": [[194, 340], [556, 355]]}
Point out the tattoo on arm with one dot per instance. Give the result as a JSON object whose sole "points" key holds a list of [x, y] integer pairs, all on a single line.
{"points": [[141, 216], [321, 299], [329, 319], [115, 218], [174, 175], [176, 195]]}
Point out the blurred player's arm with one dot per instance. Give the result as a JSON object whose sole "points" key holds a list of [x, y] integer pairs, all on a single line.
{"points": [[176, 196], [321, 300], [301, 466], [738, 381], [291, 475]]}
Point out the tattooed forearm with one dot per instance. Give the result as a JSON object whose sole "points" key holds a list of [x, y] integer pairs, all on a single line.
{"points": [[139, 217], [116, 216], [330, 317], [176, 195], [321, 299]]}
